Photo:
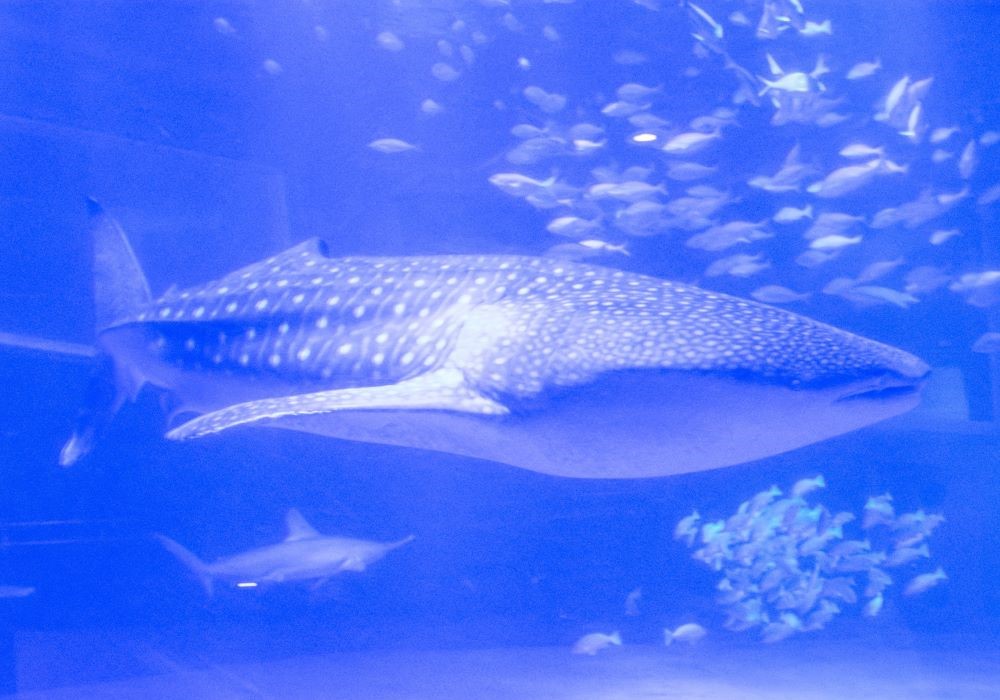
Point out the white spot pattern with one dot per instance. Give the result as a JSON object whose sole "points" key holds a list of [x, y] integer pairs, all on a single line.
{"points": [[514, 325]]}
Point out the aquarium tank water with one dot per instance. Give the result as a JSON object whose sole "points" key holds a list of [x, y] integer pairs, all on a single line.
{"points": [[500, 349]]}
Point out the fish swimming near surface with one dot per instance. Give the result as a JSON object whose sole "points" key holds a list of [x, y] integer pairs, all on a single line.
{"points": [[304, 555], [557, 367]]}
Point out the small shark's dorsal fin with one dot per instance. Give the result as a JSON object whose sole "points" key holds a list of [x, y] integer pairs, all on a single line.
{"points": [[298, 528]]}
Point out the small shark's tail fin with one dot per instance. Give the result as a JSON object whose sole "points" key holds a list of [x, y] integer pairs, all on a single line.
{"points": [[188, 559], [120, 290]]}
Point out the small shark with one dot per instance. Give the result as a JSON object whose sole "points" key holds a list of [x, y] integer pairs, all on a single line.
{"points": [[558, 367], [304, 555]]}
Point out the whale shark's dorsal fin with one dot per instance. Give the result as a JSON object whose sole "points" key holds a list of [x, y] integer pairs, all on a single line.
{"points": [[298, 528], [299, 258]]}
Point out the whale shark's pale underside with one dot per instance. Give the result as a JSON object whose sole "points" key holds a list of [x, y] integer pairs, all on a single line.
{"points": [[557, 367]]}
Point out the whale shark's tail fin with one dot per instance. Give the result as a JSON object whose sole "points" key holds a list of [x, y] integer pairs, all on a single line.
{"points": [[100, 403], [120, 290], [120, 287], [188, 559]]}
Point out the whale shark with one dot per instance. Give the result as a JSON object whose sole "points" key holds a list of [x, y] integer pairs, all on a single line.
{"points": [[559, 367], [304, 555]]}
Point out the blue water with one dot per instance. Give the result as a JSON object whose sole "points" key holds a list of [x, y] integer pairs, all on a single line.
{"points": [[221, 133]]}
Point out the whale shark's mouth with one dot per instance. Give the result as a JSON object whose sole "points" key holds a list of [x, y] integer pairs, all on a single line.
{"points": [[886, 387], [874, 385]]}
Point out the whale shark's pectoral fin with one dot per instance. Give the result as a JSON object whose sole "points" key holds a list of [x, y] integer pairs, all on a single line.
{"points": [[443, 390]]}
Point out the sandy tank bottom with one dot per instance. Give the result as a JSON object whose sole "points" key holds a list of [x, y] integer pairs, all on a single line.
{"points": [[886, 669]]}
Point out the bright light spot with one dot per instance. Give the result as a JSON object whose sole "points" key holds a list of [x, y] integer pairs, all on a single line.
{"points": [[644, 137], [246, 584]]}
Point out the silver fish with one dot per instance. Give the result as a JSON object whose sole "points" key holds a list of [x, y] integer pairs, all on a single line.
{"points": [[924, 582], [590, 644], [788, 178], [925, 279], [689, 633], [989, 196], [817, 28], [739, 265], [968, 161], [444, 72], [987, 343], [8, 591], [943, 133], [847, 179], [621, 108], [943, 235], [864, 69], [643, 218], [636, 92], [561, 368], [727, 235], [685, 172], [788, 215], [873, 606], [573, 227], [829, 223], [776, 294], [391, 145], [879, 269], [548, 102], [389, 41], [689, 142]]}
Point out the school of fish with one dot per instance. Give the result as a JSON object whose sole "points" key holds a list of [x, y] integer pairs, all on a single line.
{"points": [[623, 162], [789, 566]]}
